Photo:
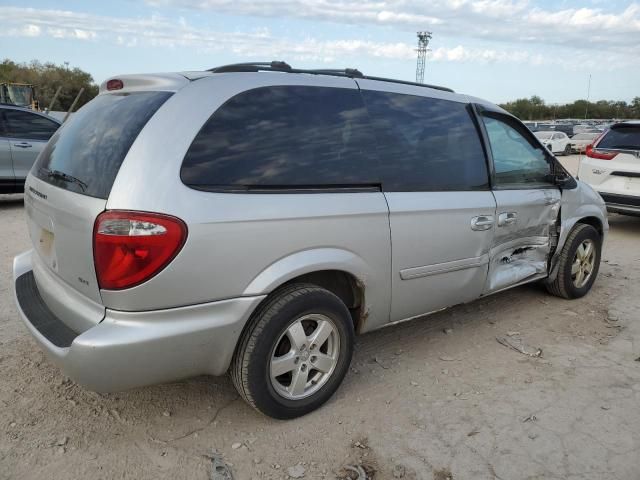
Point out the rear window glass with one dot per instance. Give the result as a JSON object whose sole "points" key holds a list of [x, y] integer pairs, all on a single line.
{"points": [[543, 135], [85, 154], [284, 136], [624, 137], [426, 144]]}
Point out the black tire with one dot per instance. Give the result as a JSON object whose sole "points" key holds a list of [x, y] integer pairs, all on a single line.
{"points": [[563, 286], [567, 149], [250, 368]]}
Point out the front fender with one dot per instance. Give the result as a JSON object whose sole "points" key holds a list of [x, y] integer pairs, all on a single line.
{"points": [[577, 204]]}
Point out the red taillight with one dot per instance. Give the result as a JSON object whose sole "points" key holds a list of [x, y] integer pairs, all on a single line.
{"points": [[131, 247], [115, 84], [591, 152]]}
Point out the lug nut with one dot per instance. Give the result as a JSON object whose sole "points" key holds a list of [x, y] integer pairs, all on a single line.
{"points": [[296, 360], [313, 358], [313, 346], [303, 367]]}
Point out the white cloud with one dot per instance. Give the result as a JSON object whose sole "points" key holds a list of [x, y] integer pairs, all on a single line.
{"points": [[31, 30], [503, 20]]}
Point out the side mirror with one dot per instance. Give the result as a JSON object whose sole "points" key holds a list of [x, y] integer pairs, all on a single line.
{"points": [[562, 180]]}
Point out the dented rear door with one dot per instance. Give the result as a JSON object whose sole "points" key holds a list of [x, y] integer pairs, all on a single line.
{"points": [[527, 202]]}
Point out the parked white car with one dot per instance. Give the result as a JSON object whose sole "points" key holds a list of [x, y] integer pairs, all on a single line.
{"points": [[580, 141], [612, 167], [556, 142]]}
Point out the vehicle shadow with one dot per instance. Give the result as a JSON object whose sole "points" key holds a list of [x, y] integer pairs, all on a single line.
{"points": [[624, 223], [11, 200]]}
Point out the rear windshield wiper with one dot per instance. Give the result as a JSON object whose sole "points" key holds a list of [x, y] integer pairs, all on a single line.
{"points": [[65, 177]]}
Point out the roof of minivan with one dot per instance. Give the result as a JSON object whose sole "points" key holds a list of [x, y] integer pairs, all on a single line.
{"points": [[175, 81]]}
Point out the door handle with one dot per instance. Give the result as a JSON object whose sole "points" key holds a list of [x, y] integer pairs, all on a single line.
{"points": [[482, 222], [23, 145], [507, 218]]}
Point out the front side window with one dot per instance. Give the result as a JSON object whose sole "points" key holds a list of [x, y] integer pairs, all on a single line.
{"points": [[28, 125], [518, 160], [284, 137], [426, 144]]}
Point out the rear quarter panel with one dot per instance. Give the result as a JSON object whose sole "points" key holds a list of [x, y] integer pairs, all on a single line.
{"points": [[245, 244]]}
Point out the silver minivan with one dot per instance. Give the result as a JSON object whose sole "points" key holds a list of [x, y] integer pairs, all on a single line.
{"points": [[254, 218]]}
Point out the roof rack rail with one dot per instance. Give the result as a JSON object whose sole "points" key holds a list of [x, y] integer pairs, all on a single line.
{"points": [[280, 66]]}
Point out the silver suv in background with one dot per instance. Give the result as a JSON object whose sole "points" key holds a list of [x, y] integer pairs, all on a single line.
{"points": [[255, 218], [23, 135]]}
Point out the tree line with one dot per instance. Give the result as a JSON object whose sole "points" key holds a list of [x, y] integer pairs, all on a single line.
{"points": [[46, 78], [535, 108]]}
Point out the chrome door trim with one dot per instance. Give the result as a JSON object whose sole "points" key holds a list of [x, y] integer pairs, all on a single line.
{"points": [[445, 267]]}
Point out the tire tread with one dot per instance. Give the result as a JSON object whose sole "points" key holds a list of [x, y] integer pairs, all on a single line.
{"points": [[559, 286], [260, 318]]}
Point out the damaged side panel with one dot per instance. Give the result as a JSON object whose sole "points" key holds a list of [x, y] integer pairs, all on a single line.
{"points": [[524, 237]]}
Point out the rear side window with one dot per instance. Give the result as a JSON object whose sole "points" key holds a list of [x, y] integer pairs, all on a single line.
{"points": [[19, 124], [84, 155], [426, 144], [624, 137], [284, 136]]}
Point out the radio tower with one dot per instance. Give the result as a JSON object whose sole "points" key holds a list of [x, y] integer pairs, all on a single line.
{"points": [[423, 43]]}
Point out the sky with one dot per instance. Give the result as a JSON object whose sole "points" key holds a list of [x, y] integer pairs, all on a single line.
{"points": [[499, 50]]}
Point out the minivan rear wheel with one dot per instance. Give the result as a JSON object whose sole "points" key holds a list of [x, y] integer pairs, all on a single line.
{"points": [[295, 352], [578, 264]]}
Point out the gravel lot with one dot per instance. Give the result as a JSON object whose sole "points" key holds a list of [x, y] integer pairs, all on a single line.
{"points": [[434, 398]]}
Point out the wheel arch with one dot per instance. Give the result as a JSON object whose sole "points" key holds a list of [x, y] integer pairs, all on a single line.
{"points": [[594, 222], [339, 271]]}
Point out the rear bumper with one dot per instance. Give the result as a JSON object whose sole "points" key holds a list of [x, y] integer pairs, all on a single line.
{"points": [[621, 203], [616, 181], [133, 349]]}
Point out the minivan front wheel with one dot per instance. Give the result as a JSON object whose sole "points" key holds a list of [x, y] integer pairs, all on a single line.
{"points": [[295, 352], [578, 264]]}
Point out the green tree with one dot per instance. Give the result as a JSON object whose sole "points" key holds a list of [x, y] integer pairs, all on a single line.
{"points": [[534, 108], [47, 77], [635, 107]]}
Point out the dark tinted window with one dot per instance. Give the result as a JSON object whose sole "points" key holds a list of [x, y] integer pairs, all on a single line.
{"points": [[93, 143], [27, 125], [518, 159], [3, 129], [426, 143], [622, 137], [284, 136]]}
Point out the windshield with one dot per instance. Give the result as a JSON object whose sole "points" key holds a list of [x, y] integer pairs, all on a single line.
{"points": [[19, 95], [544, 135], [85, 154]]}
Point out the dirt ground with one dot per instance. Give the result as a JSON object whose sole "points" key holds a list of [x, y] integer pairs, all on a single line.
{"points": [[434, 398]]}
